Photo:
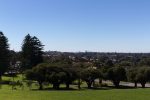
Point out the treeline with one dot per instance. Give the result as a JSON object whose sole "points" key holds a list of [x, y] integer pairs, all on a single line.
{"points": [[58, 68], [66, 74]]}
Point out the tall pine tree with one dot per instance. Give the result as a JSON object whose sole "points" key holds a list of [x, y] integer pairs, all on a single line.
{"points": [[31, 52], [4, 54]]}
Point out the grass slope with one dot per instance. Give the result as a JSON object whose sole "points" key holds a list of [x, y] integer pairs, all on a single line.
{"points": [[113, 94], [6, 93]]}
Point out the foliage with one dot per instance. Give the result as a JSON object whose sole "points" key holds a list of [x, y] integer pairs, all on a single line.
{"points": [[145, 61], [143, 75], [31, 52], [53, 74], [4, 54], [38, 74], [132, 75], [89, 75], [71, 75], [116, 74]]}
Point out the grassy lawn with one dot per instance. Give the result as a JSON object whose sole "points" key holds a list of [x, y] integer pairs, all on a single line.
{"points": [[6, 93], [111, 94]]}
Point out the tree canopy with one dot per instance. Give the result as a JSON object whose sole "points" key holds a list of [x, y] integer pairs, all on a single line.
{"points": [[4, 54], [31, 52]]}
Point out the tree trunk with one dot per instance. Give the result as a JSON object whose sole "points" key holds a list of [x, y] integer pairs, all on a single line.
{"points": [[67, 85], [100, 81], [56, 86], [89, 84], [0, 81], [135, 84], [79, 83], [41, 86], [143, 84], [93, 83], [116, 83]]}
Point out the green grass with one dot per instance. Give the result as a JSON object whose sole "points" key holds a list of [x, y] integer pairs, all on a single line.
{"points": [[6, 93], [111, 94]]}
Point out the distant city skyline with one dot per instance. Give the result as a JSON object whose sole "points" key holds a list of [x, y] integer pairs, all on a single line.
{"points": [[78, 25]]}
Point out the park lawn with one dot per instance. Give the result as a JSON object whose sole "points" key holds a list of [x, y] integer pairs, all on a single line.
{"points": [[6, 93], [109, 94], [18, 77]]}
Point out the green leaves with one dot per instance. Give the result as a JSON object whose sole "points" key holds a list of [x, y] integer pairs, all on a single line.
{"points": [[4, 54], [31, 52], [116, 74]]}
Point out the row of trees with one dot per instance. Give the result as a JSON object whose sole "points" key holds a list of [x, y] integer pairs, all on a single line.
{"points": [[57, 75], [139, 75], [53, 74], [67, 71]]}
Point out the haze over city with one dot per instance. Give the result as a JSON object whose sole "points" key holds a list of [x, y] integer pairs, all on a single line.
{"points": [[78, 25]]}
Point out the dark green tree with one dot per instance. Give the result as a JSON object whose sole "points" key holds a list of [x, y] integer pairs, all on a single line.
{"points": [[132, 76], [89, 75], [31, 52], [143, 75], [4, 54], [116, 74], [38, 74], [78, 69], [55, 76], [145, 61], [71, 75]]}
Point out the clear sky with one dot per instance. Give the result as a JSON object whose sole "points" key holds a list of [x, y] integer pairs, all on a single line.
{"points": [[79, 25]]}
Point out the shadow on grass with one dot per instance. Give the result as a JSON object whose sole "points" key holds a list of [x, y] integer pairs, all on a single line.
{"points": [[98, 88], [85, 88], [128, 87], [110, 88], [60, 89]]}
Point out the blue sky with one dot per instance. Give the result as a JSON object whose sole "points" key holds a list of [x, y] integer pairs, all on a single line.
{"points": [[79, 25]]}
